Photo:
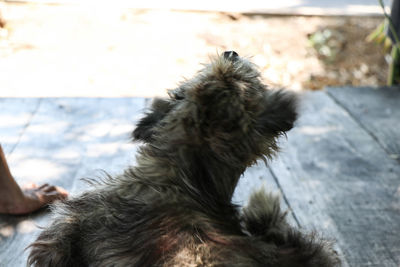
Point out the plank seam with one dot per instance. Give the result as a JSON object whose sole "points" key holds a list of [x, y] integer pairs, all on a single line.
{"points": [[26, 125], [284, 196], [374, 137]]}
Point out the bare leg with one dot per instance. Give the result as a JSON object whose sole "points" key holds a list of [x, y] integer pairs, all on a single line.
{"points": [[14, 200]]}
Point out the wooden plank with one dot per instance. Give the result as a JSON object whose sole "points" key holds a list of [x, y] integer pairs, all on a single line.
{"points": [[377, 110], [257, 177], [338, 180], [64, 135], [114, 151], [15, 116]]}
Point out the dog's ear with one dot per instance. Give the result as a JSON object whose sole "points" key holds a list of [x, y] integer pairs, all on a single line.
{"points": [[279, 112], [145, 128]]}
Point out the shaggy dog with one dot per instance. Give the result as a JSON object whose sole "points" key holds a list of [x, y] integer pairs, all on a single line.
{"points": [[174, 208]]}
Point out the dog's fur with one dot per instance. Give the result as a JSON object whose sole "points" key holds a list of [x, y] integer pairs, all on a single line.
{"points": [[174, 208]]}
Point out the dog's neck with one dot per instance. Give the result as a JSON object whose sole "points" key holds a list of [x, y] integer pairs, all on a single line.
{"points": [[213, 175], [194, 170]]}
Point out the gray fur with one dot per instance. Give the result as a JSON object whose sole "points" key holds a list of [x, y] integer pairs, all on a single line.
{"points": [[174, 208]]}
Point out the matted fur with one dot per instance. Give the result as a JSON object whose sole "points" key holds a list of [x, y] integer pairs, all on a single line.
{"points": [[174, 208]]}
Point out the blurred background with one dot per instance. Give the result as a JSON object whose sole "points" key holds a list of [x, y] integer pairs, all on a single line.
{"points": [[59, 48]]}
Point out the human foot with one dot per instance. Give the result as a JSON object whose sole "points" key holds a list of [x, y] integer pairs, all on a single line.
{"points": [[30, 198]]}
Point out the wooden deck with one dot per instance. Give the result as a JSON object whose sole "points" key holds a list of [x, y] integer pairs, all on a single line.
{"points": [[339, 170]]}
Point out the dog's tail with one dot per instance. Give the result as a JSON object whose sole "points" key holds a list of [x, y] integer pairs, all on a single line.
{"points": [[263, 215], [264, 219]]}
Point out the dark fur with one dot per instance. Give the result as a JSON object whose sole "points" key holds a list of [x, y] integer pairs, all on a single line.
{"points": [[174, 208]]}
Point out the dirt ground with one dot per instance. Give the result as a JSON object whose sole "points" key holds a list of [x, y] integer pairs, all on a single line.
{"points": [[52, 50]]}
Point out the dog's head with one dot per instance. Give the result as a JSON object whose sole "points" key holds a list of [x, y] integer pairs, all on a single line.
{"points": [[225, 110]]}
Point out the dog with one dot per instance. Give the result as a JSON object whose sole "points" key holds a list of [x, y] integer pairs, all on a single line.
{"points": [[174, 207]]}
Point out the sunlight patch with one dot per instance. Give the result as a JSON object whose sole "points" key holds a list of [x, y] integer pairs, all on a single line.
{"points": [[312, 130], [37, 170]]}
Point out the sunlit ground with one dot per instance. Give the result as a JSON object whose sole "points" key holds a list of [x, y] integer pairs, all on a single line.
{"points": [[69, 138], [101, 50]]}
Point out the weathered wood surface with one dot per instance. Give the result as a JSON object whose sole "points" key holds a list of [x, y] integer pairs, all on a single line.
{"points": [[14, 120], [333, 175], [376, 110], [339, 180]]}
